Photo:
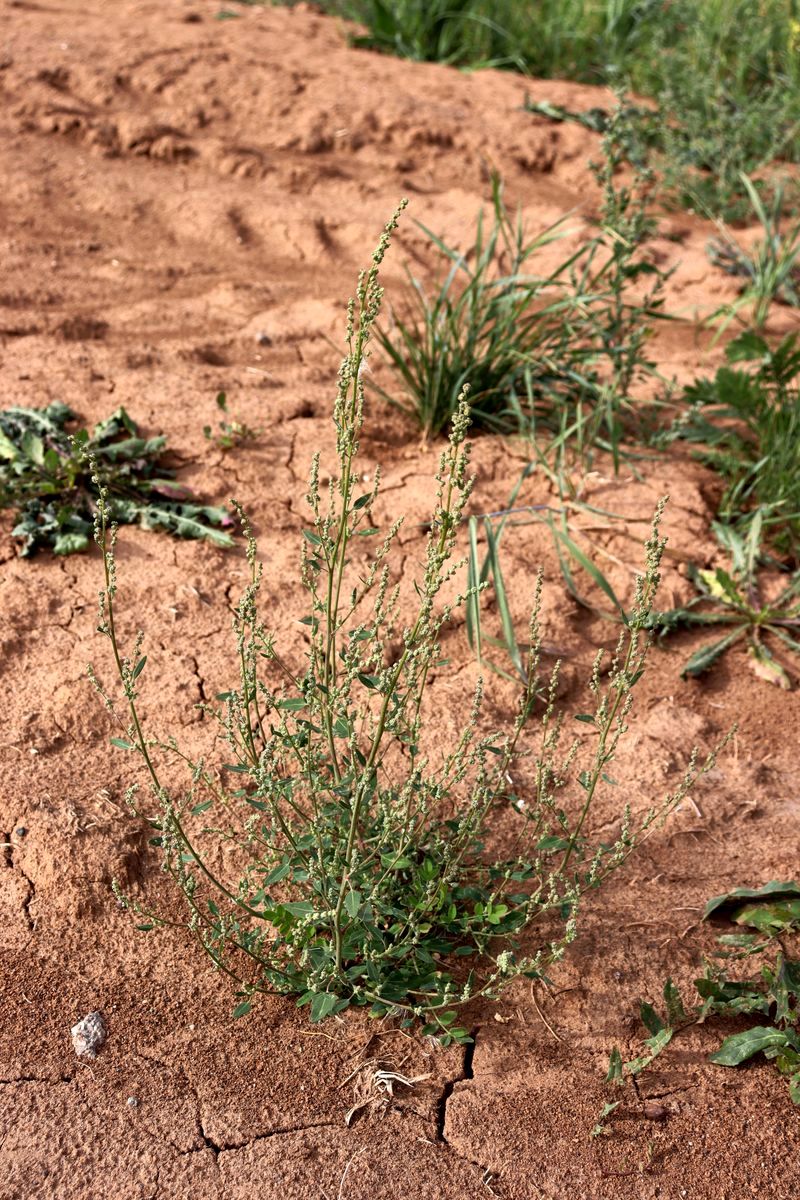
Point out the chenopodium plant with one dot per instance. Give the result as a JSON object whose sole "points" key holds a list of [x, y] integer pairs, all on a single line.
{"points": [[371, 868]]}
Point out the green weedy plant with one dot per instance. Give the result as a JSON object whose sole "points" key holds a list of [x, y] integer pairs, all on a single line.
{"points": [[724, 73], [368, 869], [45, 475], [730, 600], [770, 913], [748, 421], [230, 432], [617, 326], [771, 271], [445, 31]]}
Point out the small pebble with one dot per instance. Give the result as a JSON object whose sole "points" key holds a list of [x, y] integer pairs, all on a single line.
{"points": [[20, 831], [132, 1102], [263, 339], [655, 1111], [89, 1035]]}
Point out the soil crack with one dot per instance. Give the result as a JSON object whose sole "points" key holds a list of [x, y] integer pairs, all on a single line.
{"points": [[466, 1073], [218, 1148], [10, 860]]}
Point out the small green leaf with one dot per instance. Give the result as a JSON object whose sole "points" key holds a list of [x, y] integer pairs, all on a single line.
{"points": [[121, 744], [322, 1006], [650, 1018], [242, 1009], [614, 1067], [771, 919]]}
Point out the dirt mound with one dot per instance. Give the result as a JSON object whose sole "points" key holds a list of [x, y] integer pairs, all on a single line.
{"points": [[186, 202]]}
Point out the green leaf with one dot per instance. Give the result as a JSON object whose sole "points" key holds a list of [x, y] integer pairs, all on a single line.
{"points": [[723, 904], [552, 842], [739, 1047], [707, 655], [298, 908], [277, 874], [322, 1005], [353, 903], [655, 1044], [747, 347], [615, 1074], [242, 1009], [69, 543], [391, 860], [676, 1012], [771, 919], [137, 670], [589, 567], [765, 666], [650, 1018], [121, 744]]}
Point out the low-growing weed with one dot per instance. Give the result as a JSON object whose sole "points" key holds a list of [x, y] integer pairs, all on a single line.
{"points": [[770, 271], [363, 865], [769, 913], [230, 431], [748, 421], [461, 32], [729, 599], [45, 476]]}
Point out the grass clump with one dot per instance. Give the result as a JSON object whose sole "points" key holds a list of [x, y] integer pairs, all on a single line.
{"points": [[771, 270], [45, 476], [553, 354], [489, 323], [362, 864]]}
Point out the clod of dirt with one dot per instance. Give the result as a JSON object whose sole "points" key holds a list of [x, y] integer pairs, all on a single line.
{"points": [[89, 1035], [83, 329]]}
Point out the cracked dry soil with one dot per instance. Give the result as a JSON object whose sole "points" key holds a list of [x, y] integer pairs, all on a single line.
{"points": [[186, 202]]}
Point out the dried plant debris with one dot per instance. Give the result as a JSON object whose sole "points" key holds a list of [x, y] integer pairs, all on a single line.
{"points": [[46, 477]]}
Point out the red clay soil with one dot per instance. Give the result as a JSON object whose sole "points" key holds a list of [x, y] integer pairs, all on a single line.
{"points": [[185, 204]]}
